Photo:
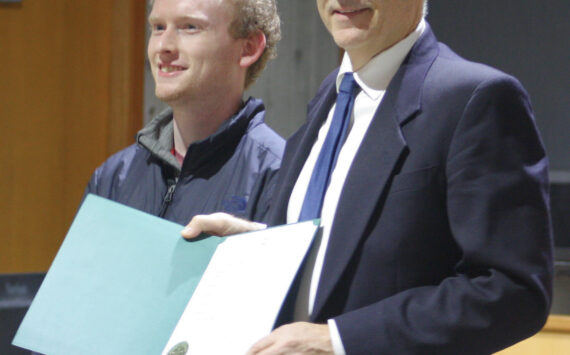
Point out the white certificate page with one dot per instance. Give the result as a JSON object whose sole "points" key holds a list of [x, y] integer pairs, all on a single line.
{"points": [[241, 292]]}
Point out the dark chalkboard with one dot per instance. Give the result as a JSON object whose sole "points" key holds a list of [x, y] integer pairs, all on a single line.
{"points": [[525, 38]]}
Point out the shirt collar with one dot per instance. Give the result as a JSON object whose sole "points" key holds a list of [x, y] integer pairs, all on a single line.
{"points": [[374, 77]]}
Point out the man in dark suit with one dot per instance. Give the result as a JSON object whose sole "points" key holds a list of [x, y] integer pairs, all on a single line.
{"points": [[435, 232]]}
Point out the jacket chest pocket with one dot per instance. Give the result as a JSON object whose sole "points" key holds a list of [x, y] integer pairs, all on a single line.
{"points": [[414, 180]]}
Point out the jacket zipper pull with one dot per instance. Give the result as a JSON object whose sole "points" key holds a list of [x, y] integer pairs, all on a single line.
{"points": [[168, 197]]}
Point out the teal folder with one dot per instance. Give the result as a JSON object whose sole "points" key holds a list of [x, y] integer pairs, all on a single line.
{"points": [[118, 284]]}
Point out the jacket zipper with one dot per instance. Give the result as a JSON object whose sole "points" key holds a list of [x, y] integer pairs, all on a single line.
{"points": [[168, 197]]}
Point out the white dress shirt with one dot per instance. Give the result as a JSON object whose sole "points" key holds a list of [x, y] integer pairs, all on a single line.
{"points": [[373, 79]]}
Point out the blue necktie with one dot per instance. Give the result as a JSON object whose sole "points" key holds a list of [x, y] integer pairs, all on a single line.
{"points": [[328, 156]]}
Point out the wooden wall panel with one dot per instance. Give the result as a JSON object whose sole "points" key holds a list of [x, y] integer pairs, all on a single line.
{"points": [[58, 113], [127, 72]]}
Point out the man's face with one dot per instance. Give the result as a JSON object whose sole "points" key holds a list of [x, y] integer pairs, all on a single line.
{"points": [[365, 28], [190, 50]]}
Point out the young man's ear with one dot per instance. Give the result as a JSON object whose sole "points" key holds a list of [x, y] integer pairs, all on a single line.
{"points": [[252, 49]]}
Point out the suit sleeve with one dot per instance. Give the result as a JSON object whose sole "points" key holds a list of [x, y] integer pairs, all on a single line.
{"points": [[497, 207]]}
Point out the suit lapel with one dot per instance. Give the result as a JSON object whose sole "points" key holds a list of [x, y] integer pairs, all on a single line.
{"points": [[382, 148], [299, 147]]}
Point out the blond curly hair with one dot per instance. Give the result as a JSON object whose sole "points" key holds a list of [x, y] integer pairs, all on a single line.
{"points": [[252, 16]]}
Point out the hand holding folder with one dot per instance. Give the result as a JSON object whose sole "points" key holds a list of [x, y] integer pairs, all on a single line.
{"points": [[122, 279]]}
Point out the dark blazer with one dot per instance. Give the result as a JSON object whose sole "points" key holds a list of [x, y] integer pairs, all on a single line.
{"points": [[441, 242]]}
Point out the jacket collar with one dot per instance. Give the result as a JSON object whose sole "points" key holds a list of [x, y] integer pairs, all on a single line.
{"points": [[157, 137], [374, 77]]}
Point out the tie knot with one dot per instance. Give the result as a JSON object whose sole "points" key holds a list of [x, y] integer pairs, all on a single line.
{"points": [[348, 84]]}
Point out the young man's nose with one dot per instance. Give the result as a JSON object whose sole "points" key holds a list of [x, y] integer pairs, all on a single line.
{"points": [[167, 42]]}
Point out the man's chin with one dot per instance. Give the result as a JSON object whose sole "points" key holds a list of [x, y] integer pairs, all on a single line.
{"points": [[168, 95]]}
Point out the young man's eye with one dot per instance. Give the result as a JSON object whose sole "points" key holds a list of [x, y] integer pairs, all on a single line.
{"points": [[157, 28]]}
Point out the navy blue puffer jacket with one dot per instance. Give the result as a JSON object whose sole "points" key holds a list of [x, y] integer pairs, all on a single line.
{"points": [[225, 172]]}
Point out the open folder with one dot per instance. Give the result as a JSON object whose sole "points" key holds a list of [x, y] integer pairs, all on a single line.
{"points": [[125, 282]]}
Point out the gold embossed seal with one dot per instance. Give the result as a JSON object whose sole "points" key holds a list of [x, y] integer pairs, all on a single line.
{"points": [[179, 349]]}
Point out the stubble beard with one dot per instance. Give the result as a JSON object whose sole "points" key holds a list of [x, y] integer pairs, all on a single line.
{"points": [[170, 95]]}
